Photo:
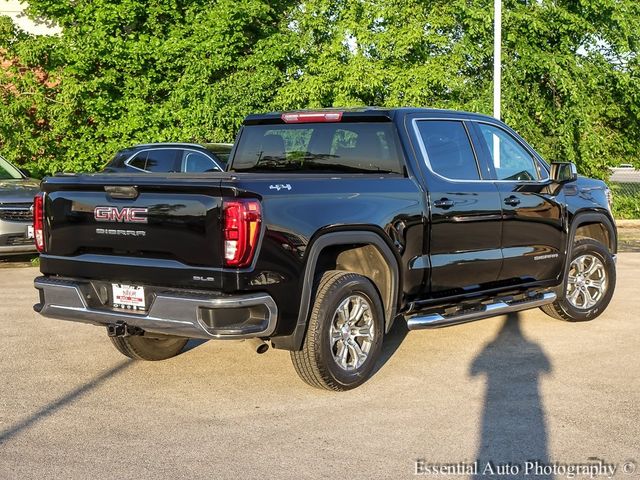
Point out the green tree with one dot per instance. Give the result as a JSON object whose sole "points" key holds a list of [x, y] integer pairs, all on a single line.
{"points": [[139, 71], [570, 68], [27, 97]]}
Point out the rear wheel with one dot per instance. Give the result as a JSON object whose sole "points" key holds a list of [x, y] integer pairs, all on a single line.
{"points": [[146, 348], [590, 283], [345, 333]]}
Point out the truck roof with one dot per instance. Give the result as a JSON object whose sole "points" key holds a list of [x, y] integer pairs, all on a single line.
{"points": [[353, 114]]}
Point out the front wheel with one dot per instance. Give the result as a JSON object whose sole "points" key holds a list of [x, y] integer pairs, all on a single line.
{"points": [[345, 333], [591, 281]]}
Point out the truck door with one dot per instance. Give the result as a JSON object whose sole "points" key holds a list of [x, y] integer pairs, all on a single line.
{"points": [[464, 228], [533, 237]]}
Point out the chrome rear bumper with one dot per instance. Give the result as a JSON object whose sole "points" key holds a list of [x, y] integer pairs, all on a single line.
{"points": [[171, 312]]}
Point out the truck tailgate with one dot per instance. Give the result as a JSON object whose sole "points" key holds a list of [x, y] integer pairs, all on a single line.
{"points": [[149, 219]]}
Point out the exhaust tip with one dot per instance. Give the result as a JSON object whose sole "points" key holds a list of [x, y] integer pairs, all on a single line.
{"points": [[259, 345]]}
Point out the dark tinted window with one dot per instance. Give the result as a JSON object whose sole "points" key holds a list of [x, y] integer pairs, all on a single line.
{"points": [[449, 149], [139, 161], [319, 147], [197, 162], [119, 158], [163, 160], [511, 160]]}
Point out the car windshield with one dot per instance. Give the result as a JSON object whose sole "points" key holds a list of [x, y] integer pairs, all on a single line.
{"points": [[8, 171], [221, 151]]}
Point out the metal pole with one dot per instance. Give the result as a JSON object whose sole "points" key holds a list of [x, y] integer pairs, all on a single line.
{"points": [[497, 44]]}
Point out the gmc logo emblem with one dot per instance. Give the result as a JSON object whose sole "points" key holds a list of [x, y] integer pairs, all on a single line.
{"points": [[124, 214]]}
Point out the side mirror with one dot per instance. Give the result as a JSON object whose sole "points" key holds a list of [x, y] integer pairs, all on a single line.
{"points": [[25, 172], [563, 172]]}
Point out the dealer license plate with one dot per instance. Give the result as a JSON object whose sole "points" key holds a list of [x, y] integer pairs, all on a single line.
{"points": [[130, 297]]}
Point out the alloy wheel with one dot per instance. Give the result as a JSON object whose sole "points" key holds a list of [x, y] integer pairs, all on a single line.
{"points": [[352, 332], [587, 282]]}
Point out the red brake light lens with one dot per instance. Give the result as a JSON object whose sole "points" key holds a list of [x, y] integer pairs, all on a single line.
{"points": [[311, 117], [38, 221], [242, 221]]}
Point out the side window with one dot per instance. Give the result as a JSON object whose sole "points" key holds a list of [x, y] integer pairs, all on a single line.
{"points": [[197, 162], [162, 160], [511, 160], [139, 161], [448, 149]]}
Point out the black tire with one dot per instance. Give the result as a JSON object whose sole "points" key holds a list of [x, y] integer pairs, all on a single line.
{"points": [[315, 362], [152, 349], [563, 308]]}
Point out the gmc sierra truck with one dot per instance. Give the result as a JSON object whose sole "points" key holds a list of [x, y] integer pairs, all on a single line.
{"points": [[327, 227]]}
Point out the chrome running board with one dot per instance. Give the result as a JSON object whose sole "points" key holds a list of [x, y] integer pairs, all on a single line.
{"points": [[437, 320]]}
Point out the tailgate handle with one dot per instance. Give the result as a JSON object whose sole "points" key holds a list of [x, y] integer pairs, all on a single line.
{"points": [[121, 191]]}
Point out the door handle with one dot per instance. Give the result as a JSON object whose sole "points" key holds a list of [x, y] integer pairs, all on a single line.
{"points": [[444, 203], [512, 200]]}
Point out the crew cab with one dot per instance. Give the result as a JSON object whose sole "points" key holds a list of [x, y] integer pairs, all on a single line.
{"points": [[327, 227]]}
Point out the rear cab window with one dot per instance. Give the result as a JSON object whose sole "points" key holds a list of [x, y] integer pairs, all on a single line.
{"points": [[357, 147], [447, 149]]}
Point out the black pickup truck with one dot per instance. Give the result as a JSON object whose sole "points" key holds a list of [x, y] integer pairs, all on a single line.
{"points": [[326, 228]]}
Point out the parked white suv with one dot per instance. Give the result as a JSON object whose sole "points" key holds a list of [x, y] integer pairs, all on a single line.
{"points": [[16, 199]]}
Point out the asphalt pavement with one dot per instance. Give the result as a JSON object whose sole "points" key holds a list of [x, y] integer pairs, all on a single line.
{"points": [[516, 389]]}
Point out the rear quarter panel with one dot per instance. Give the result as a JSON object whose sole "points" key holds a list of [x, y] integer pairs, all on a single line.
{"points": [[298, 209]]}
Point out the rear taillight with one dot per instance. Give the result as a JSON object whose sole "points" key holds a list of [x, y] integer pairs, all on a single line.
{"points": [[38, 221], [242, 221]]}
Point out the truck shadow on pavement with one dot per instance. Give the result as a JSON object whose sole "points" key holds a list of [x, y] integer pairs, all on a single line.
{"points": [[391, 343], [72, 396], [513, 428]]}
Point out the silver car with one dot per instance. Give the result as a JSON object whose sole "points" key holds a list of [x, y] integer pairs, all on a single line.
{"points": [[16, 198]]}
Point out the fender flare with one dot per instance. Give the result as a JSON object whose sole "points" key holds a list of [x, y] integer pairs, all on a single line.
{"points": [[364, 237]]}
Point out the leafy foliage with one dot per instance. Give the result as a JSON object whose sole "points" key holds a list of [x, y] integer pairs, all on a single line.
{"points": [[626, 200], [177, 70]]}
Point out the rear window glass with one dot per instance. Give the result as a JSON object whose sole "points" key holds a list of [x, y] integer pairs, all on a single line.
{"points": [[319, 147], [195, 162], [139, 161], [161, 160], [221, 152]]}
